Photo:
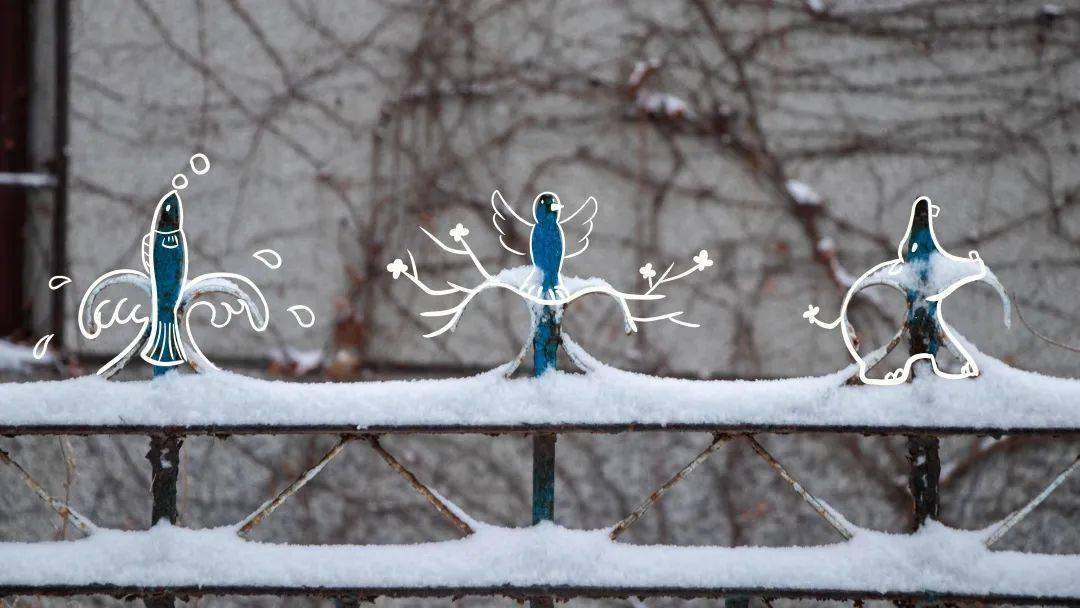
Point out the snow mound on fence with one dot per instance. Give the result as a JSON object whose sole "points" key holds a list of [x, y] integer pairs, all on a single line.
{"points": [[1001, 398], [936, 559]]}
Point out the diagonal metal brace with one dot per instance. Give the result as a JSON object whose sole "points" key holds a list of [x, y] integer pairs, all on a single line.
{"points": [[270, 506], [1017, 516], [629, 520], [82, 523], [816, 504], [432, 497]]}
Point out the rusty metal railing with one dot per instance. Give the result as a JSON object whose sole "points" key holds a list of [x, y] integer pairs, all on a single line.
{"points": [[164, 505]]}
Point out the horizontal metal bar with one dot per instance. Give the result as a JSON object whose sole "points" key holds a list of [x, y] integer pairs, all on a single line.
{"points": [[28, 180], [525, 592], [520, 429]]}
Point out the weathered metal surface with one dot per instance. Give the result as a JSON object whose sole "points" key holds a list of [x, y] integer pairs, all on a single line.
{"points": [[543, 485], [164, 457], [62, 508], [556, 592], [925, 472], [431, 496], [1016, 516], [268, 507], [810, 499], [923, 336], [657, 494]]}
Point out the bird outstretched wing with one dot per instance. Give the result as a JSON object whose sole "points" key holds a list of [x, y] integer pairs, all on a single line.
{"points": [[578, 226], [500, 218]]}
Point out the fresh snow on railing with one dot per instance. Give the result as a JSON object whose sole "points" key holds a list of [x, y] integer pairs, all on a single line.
{"points": [[1000, 398], [935, 560]]}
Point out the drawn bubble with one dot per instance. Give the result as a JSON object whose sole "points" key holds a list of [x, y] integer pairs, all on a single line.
{"points": [[58, 281], [42, 346], [205, 163], [179, 181], [271, 258], [300, 312]]}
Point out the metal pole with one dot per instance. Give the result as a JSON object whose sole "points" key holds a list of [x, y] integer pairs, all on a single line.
{"points": [[923, 338], [164, 457], [546, 340], [60, 168]]}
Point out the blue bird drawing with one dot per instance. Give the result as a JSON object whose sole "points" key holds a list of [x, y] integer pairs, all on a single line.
{"points": [[172, 297], [547, 239]]}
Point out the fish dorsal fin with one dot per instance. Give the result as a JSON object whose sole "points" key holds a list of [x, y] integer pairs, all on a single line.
{"points": [[146, 239]]}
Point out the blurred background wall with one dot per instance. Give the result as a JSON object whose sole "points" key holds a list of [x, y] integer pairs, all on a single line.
{"points": [[335, 129], [787, 138]]}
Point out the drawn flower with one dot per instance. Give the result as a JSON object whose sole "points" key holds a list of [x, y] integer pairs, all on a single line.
{"points": [[647, 271], [459, 232], [702, 261], [397, 267]]}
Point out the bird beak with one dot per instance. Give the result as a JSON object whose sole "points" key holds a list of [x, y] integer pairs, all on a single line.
{"points": [[556, 206]]}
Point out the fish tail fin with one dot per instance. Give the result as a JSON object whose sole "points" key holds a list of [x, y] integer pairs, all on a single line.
{"points": [[164, 346]]}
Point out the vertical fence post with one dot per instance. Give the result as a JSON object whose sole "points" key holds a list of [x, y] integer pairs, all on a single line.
{"points": [[546, 340], [164, 457], [923, 338]]}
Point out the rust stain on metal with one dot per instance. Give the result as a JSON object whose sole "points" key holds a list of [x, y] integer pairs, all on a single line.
{"points": [[816, 504], [431, 496], [1017, 516], [268, 507], [63, 509], [657, 494]]}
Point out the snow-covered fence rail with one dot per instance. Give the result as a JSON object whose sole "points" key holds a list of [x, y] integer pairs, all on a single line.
{"points": [[544, 560]]}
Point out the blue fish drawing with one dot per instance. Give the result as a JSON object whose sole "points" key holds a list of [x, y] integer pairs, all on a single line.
{"points": [[165, 339], [164, 251]]}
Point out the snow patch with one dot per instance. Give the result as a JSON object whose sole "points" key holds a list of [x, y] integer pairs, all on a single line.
{"points": [[802, 193], [1001, 398], [934, 560]]}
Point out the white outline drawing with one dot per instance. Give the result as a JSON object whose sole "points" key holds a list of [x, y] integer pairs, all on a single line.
{"points": [[42, 346], [296, 309], [271, 258], [896, 274], [164, 344], [205, 161], [58, 281], [525, 282]]}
